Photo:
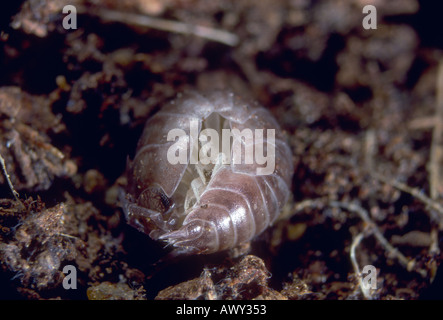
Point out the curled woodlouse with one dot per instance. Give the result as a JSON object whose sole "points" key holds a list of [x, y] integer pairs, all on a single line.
{"points": [[211, 200]]}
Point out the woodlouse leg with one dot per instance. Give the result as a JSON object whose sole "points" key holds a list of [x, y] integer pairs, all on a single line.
{"points": [[141, 218], [144, 219], [198, 184], [193, 194], [189, 200], [221, 160], [201, 172]]}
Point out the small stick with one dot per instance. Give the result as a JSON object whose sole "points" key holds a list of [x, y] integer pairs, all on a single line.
{"points": [[422, 123], [68, 236], [221, 36], [289, 210], [414, 192], [437, 133], [373, 228], [370, 145], [405, 262]]}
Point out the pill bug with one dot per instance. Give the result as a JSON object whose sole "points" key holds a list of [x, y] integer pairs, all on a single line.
{"points": [[205, 208]]}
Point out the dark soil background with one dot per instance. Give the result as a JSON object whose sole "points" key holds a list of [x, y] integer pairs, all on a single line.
{"points": [[362, 110]]}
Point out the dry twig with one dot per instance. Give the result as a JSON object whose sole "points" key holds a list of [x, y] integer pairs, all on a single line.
{"points": [[370, 225], [212, 34], [417, 193], [392, 251], [437, 137]]}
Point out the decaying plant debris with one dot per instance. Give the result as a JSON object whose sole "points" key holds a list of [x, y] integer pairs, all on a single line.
{"points": [[30, 159], [361, 109]]}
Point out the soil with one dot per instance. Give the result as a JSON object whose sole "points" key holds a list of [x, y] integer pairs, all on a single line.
{"points": [[362, 110]]}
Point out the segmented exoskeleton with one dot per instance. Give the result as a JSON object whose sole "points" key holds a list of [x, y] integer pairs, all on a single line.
{"points": [[204, 208]]}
